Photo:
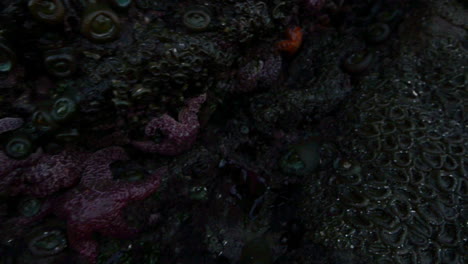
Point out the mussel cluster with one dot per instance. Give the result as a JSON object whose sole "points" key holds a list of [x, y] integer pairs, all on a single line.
{"points": [[400, 185], [397, 190]]}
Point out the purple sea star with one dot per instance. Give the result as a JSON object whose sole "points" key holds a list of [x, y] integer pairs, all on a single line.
{"points": [[179, 135], [96, 204], [50, 174]]}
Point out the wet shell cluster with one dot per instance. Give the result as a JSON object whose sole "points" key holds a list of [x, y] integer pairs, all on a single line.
{"points": [[397, 192], [318, 131], [398, 188]]}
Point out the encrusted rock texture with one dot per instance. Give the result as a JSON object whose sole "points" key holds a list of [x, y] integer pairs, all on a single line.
{"points": [[233, 132]]}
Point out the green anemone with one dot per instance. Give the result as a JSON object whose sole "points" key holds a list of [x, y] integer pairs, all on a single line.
{"points": [[100, 24], [18, 147], [47, 11], [29, 206], [63, 109], [197, 18]]}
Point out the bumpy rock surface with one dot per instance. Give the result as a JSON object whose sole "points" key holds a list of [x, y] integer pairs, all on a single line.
{"points": [[398, 189]]}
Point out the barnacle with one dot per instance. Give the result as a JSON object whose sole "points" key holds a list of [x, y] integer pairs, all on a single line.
{"points": [[400, 200], [403, 182]]}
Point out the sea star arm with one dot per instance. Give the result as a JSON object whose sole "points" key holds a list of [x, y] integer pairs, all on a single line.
{"points": [[50, 174], [80, 237], [119, 228], [97, 167], [140, 191], [169, 128], [189, 114], [164, 124]]}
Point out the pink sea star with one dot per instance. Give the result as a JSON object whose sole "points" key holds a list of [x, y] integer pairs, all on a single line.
{"points": [[49, 174], [96, 204], [179, 135]]}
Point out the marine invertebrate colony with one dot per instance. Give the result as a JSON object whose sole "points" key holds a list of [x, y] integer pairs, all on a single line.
{"points": [[95, 206], [399, 186], [397, 191], [299, 131], [45, 176]]}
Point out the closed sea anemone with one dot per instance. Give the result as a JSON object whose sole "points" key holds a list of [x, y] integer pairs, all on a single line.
{"points": [[99, 23]]}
